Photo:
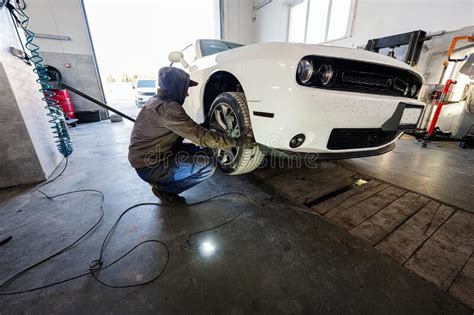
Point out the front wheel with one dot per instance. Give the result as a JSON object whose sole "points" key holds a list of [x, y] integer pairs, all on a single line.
{"points": [[229, 114]]}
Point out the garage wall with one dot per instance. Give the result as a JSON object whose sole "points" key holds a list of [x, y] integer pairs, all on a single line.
{"points": [[28, 153], [375, 18], [271, 23], [66, 18], [238, 24], [243, 24]]}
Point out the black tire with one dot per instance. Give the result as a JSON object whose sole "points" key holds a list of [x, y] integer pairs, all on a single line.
{"points": [[242, 160]]}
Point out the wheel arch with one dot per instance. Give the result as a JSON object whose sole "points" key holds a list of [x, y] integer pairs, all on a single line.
{"points": [[219, 81]]}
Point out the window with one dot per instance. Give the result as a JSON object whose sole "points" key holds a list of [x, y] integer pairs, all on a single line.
{"points": [[339, 19], [211, 47], [189, 53], [297, 25], [159, 26], [319, 21]]}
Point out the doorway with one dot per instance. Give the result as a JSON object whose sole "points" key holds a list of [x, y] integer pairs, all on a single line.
{"points": [[132, 39]]}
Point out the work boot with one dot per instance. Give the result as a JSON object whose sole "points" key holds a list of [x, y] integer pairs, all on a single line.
{"points": [[168, 198]]}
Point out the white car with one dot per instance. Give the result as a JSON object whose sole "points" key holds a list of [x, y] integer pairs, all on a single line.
{"points": [[144, 90], [331, 101]]}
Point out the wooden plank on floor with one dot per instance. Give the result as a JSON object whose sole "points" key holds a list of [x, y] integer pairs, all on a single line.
{"points": [[355, 199], [303, 182], [322, 189], [463, 287], [405, 240], [353, 216], [344, 200], [442, 256], [385, 221]]}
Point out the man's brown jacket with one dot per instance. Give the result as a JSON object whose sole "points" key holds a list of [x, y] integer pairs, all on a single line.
{"points": [[161, 125]]}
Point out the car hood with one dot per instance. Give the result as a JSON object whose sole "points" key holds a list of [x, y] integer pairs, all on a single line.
{"points": [[298, 51]]}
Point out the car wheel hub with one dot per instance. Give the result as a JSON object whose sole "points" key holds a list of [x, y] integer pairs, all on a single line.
{"points": [[224, 119]]}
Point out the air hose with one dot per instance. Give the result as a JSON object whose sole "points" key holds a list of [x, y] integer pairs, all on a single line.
{"points": [[56, 114]]}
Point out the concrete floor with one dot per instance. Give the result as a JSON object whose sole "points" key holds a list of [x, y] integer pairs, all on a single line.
{"points": [[274, 258]]}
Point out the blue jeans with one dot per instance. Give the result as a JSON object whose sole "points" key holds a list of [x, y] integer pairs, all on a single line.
{"points": [[182, 171]]}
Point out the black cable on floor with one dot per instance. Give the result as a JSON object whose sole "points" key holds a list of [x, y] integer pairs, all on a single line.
{"points": [[98, 264]]}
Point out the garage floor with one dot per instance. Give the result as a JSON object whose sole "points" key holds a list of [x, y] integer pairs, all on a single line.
{"points": [[277, 256], [427, 226]]}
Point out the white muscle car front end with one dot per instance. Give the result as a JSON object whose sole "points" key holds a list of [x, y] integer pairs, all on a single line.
{"points": [[336, 102]]}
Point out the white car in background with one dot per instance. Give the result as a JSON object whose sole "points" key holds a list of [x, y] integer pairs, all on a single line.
{"points": [[144, 90], [331, 101]]}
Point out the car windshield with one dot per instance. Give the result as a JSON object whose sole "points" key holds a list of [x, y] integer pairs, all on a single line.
{"points": [[146, 83], [211, 47]]}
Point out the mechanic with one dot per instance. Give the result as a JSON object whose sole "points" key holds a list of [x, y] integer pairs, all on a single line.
{"points": [[157, 151]]}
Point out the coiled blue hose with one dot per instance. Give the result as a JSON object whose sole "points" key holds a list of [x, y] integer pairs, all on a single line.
{"points": [[56, 114]]}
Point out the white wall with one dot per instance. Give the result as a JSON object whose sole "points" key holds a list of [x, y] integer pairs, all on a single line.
{"points": [[238, 24], [271, 24], [59, 17], [244, 25], [376, 18], [27, 150], [73, 58]]}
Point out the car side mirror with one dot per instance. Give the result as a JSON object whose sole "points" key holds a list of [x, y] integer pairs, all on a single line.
{"points": [[177, 56]]}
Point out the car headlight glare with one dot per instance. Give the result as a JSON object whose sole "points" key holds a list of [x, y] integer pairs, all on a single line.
{"points": [[326, 74], [305, 71]]}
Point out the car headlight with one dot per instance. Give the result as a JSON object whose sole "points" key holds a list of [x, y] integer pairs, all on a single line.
{"points": [[305, 71], [326, 74]]}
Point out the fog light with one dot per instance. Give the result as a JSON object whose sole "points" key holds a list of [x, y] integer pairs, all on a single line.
{"points": [[297, 140]]}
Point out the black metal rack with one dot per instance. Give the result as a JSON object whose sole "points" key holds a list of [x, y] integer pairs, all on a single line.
{"points": [[413, 40]]}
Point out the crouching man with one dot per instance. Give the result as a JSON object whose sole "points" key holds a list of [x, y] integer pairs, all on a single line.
{"points": [[157, 151]]}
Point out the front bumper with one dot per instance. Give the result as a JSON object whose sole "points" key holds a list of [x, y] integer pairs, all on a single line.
{"points": [[312, 157], [317, 113], [142, 99]]}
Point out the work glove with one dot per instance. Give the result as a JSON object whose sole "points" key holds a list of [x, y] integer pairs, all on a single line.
{"points": [[246, 141]]}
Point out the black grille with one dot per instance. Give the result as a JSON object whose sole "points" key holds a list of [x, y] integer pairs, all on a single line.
{"points": [[148, 93], [364, 77], [341, 139]]}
